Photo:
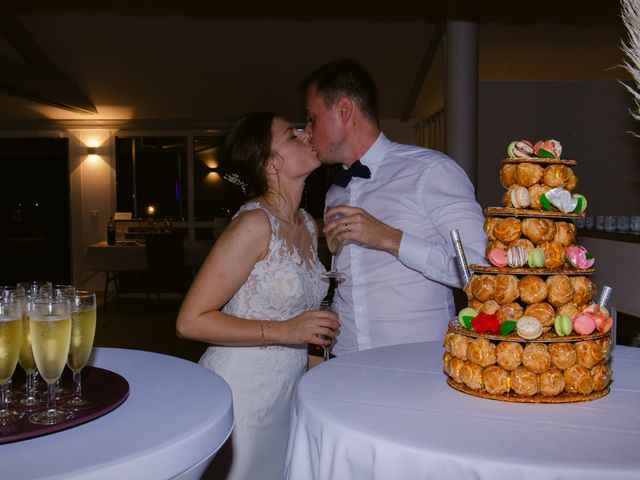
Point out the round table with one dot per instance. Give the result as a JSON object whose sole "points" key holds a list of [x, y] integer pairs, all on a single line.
{"points": [[388, 413], [176, 417]]}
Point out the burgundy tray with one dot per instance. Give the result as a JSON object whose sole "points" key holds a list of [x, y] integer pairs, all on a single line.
{"points": [[105, 390]]}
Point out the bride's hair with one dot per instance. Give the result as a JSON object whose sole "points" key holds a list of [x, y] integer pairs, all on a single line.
{"points": [[246, 150]]}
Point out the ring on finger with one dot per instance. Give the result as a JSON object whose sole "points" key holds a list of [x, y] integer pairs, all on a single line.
{"points": [[346, 227]]}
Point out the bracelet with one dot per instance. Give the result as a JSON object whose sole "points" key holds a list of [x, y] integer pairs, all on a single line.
{"points": [[262, 337]]}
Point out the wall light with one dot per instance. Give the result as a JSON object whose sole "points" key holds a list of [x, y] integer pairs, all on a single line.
{"points": [[91, 151]]}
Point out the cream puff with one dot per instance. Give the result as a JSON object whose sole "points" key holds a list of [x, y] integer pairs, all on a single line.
{"points": [[565, 233], [506, 289], [543, 312], [509, 355], [524, 382], [536, 357], [535, 192], [560, 290], [532, 289], [507, 229], [528, 173], [578, 379], [471, 375], [508, 175], [539, 230], [495, 381], [583, 290], [563, 355], [553, 254], [482, 352], [509, 311], [551, 382], [483, 287]]}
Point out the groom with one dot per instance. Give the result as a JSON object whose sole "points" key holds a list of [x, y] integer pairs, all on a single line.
{"points": [[397, 204]]}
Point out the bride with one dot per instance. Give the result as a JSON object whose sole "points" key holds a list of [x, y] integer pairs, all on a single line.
{"points": [[255, 297]]}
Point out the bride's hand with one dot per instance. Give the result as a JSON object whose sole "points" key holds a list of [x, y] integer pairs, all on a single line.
{"points": [[310, 325]]}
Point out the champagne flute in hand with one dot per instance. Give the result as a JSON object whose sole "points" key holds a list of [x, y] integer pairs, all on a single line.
{"points": [[83, 329], [333, 245]]}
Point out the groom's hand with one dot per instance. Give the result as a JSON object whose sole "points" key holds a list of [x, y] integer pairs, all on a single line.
{"points": [[358, 225]]}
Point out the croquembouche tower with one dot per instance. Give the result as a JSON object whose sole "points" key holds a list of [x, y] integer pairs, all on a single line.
{"points": [[533, 330]]}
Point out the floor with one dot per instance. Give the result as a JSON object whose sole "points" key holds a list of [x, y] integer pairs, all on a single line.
{"points": [[144, 324]]}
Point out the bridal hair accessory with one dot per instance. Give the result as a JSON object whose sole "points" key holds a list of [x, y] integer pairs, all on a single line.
{"points": [[236, 180]]}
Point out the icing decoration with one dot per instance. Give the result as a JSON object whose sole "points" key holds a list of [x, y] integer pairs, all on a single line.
{"points": [[548, 149], [562, 325], [498, 257], [517, 256], [465, 316], [536, 258], [561, 199], [603, 322], [507, 327], [578, 257], [582, 203], [520, 149], [486, 323]]}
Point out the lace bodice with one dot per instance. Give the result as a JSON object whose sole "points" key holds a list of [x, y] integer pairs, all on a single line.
{"points": [[286, 282]]}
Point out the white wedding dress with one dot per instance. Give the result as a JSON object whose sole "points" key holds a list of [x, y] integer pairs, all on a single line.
{"points": [[263, 379]]}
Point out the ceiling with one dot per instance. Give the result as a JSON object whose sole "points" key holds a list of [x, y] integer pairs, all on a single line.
{"points": [[207, 63]]}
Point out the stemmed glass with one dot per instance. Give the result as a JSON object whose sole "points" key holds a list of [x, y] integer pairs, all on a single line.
{"points": [[50, 324], [83, 329], [10, 333], [333, 245], [59, 291]]}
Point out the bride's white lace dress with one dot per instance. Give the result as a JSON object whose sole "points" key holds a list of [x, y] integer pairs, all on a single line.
{"points": [[262, 380]]}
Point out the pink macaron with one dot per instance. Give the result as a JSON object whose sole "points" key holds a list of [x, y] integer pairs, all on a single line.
{"points": [[584, 324], [498, 257]]}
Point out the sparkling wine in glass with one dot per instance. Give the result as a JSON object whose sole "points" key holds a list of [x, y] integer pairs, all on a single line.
{"points": [[333, 245], [83, 329], [10, 334], [327, 304], [50, 324]]}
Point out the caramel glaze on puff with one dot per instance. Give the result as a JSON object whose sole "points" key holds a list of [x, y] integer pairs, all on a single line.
{"points": [[560, 290], [494, 380], [482, 352], [544, 312], [578, 379], [490, 307], [551, 382], [506, 288], [589, 353], [528, 173], [563, 355], [539, 230], [569, 309], [509, 355], [524, 382], [475, 304], [601, 375], [446, 342], [471, 375], [583, 290], [553, 254], [458, 346], [532, 289], [507, 229], [508, 174], [556, 175], [565, 234], [536, 357], [453, 368], [483, 287], [510, 311], [489, 223], [605, 345], [572, 182], [535, 191]]}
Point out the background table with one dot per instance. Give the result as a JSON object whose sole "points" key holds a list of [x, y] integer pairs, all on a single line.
{"points": [[388, 413], [176, 417]]}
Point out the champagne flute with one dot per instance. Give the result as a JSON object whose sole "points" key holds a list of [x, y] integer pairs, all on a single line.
{"points": [[333, 245], [50, 324], [60, 291], [83, 329], [10, 333]]}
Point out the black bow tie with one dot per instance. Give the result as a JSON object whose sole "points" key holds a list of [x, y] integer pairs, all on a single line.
{"points": [[342, 177]]}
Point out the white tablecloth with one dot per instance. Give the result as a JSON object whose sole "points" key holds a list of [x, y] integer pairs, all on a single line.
{"points": [[177, 415], [388, 413]]}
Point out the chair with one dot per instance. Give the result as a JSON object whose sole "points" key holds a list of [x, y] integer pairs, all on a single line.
{"points": [[165, 263]]}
